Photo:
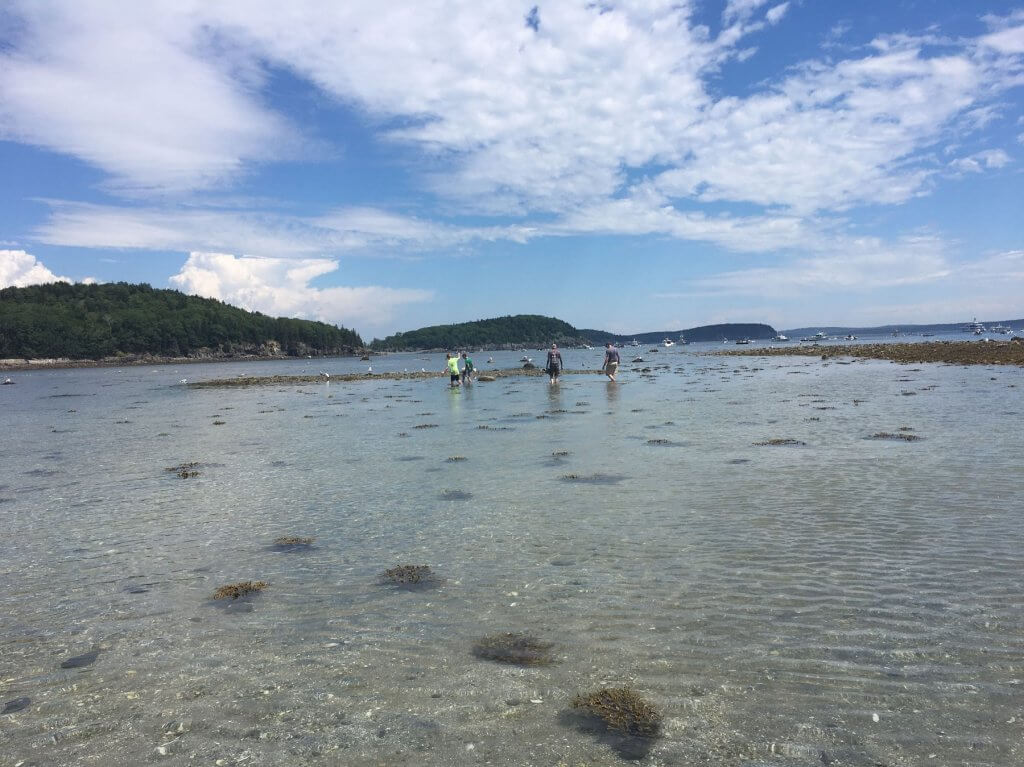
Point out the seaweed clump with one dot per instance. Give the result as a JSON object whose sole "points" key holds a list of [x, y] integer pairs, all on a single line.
{"points": [[780, 442], [410, 575], [621, 709], [904, 436], [514, 648], [293, 542], [240, 589], [185, 470]]}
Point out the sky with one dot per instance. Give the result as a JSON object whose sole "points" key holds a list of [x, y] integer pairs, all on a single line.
{"points": [[629, 166]]}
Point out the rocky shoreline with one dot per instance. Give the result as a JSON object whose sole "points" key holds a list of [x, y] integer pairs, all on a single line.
{"points": [[149, 359], [953, 352]]}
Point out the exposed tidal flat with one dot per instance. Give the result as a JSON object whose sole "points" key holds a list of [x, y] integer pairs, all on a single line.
{"points": [[718, 561]]}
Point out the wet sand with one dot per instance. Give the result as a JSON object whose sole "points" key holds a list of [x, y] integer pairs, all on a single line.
{"points": [[955, 352]]}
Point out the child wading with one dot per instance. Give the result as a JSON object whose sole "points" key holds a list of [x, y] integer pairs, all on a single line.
{"points": [[468, 368], [453, 368]]}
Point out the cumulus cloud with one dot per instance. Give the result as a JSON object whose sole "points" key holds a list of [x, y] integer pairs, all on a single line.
{"points": [[19, 269], [282, 287]]}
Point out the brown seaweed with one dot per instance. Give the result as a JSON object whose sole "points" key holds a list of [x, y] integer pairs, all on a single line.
{"points": [[623, 710], [410, 575], [240, 589], [514, 648]]}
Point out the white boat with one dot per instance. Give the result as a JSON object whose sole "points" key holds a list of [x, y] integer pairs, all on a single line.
{"points": [[781, 337], [635, 343], [668, 342], [7, 382], [819, 336], [974, 327], [1000, 329], [524, 358], [682, 340], [743, 341], [850, 337]]}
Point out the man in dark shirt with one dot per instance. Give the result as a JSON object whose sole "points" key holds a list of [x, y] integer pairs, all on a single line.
{"points": [[554, 366], [611, 361]]}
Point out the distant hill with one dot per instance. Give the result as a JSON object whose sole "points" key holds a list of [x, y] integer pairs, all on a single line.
{"points": [[885, 330], [97, 321], [730, 331], [535, 330], [514, 330]]}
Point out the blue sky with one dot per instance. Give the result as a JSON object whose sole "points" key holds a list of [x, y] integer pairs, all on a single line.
{"points": [[630, 166]]}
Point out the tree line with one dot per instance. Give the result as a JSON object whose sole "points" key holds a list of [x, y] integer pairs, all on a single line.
{"points": [[113, 319], [512, 330]]}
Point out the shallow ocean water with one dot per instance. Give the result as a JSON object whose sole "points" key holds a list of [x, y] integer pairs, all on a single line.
{"points": [[849, 600]]}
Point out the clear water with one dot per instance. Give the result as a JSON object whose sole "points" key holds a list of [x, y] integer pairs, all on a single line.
{"points": [[849, 601]]}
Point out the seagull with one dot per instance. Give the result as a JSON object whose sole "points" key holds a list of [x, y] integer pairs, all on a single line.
{"points": [[183, 380], [369, 369], [325, 375]]}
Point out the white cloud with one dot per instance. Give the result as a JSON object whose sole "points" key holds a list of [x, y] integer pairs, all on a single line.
{"points": [[980, 161], [856, 265], [369, 231], [19, 269], [775, 14], [741, 9], [282, 287], [143, 91], [601, 119]]}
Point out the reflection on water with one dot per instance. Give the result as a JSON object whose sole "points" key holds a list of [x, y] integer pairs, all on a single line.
{"points": [[852, 601]]}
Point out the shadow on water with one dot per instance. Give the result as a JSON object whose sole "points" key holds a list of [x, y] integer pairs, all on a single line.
{"points": [[632, 748]]}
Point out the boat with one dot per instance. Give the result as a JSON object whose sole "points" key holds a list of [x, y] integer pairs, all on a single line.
{"points": [[819, 336], [781, 337], [638, 359], [682, 340], [635, 343], [668, 342], [743, 341], [1000, 329], [974, 327], [850, 337], [524, 358], [7, 382]]}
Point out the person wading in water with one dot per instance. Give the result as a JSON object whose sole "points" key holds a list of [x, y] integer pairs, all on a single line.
{"points": [[554, 366], [611, 361]]}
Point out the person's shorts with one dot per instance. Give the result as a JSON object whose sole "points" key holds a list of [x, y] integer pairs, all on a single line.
{"points": [[455, 377], [554, 370], [611, 367]]}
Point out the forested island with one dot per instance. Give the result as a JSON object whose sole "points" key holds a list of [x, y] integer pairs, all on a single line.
{"points": [[497, 333], [530, 330], [94, 322]]}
